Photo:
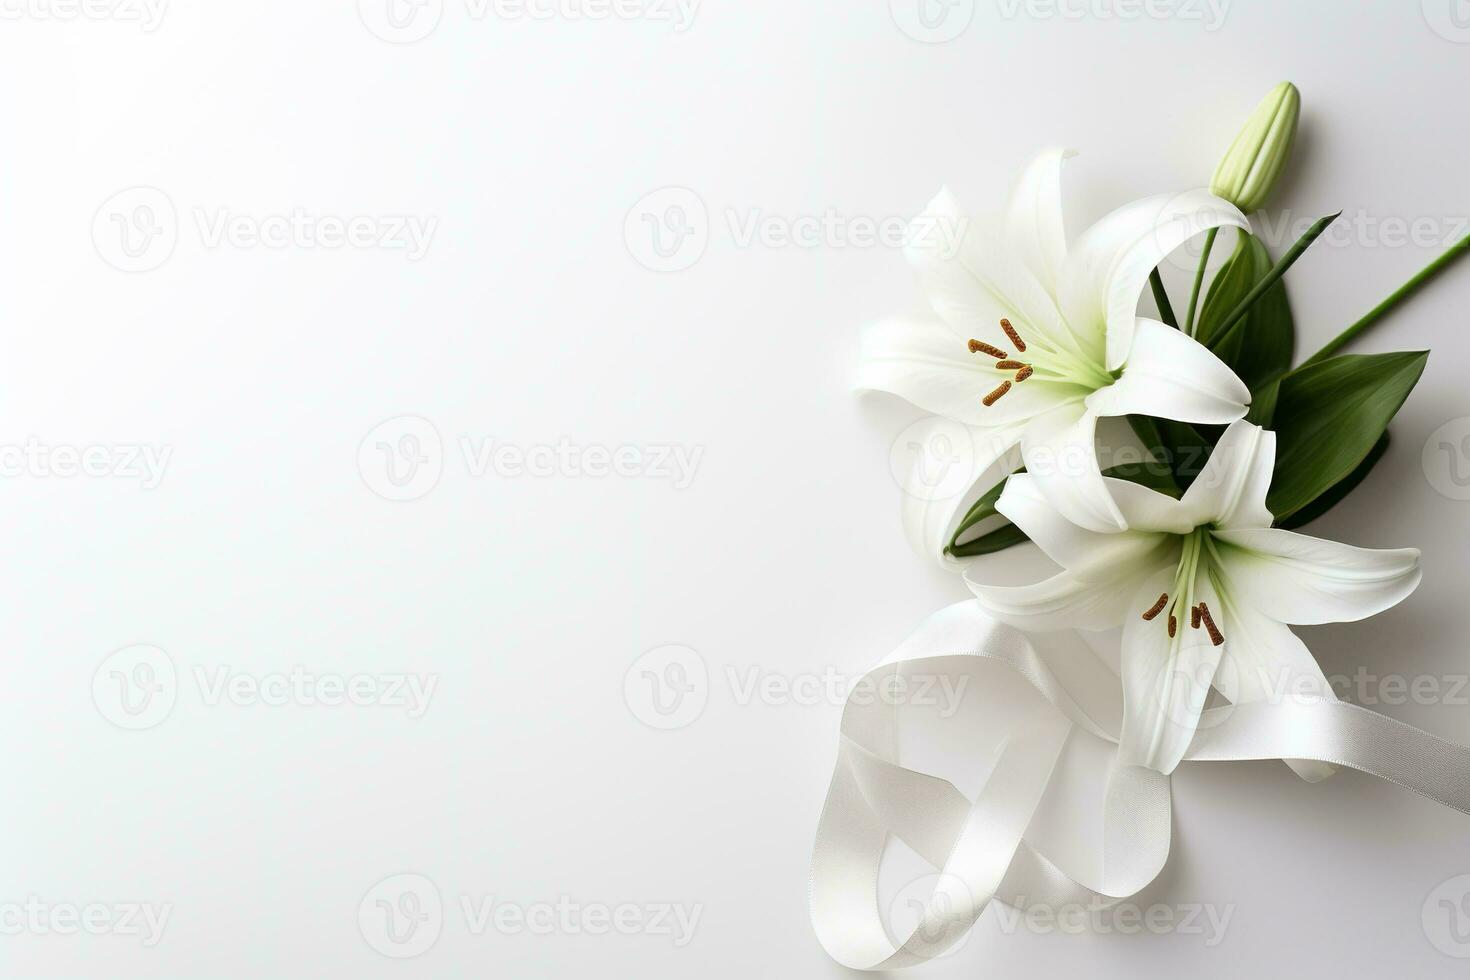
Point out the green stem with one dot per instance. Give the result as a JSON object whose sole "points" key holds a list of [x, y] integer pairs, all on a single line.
{"points": [[1199, 281], [1161, 299], [1404, 292]]}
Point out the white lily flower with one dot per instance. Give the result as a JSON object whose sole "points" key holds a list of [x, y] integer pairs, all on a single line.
{"points": [[1032, 342], [1204, 588]]}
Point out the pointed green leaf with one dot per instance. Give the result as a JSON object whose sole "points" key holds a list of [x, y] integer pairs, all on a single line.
{"points": [[1338, 493], [1330, 416], [1178, 445], [988, 544], [1161, 299], [1155, 476], [1263, 346], [1236, 278], [1263, 404], [982, 510], [1234, 320]]}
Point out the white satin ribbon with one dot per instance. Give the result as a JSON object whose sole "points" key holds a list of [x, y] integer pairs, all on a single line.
{"points": [[981, 847]]}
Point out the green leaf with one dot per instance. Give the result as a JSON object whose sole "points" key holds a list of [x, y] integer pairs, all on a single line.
{"points": [[1161, 299], [983, 510], [1329, 416], [1155, 476], [1147, 431], [1178, 445], [1263, 404], [1262, 348], [988, 544], [1236, 278], [1234, 320], [1338, 493], [1189, 449]]}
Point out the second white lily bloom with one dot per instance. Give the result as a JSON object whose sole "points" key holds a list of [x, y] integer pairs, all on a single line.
{"points": [[1204, 588], [1032, 342]]}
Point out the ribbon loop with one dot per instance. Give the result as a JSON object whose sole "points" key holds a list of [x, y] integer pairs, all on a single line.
{"points": [[981, 847]]}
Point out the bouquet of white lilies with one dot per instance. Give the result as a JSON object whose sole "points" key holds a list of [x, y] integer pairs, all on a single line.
{"points": [[1191, 547]]}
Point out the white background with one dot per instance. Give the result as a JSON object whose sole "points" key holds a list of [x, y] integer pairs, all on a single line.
{"points": [[532, 318]]}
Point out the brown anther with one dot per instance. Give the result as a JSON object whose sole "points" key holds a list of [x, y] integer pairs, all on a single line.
{"points": [[1024, 373], [981, 347], [1015, 337], [1010, 365], [1216, 637], [1157, 607], [995, 395], [1194, 618], [1173, 626]]}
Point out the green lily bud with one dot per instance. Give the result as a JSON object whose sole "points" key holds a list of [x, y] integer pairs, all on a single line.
{"points": [[1255, 160]]}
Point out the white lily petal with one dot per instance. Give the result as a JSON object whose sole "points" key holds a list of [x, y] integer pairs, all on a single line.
{"points": [[922, 361], [1086, 553], [1060, 450], [1171, 376], [1294, 578], [1064, 601], [1166, 680], [1034, 222], [1106, 271], [1148, 510], [1230, 491], [973, 281], [1267, 662], [929, 514]]}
